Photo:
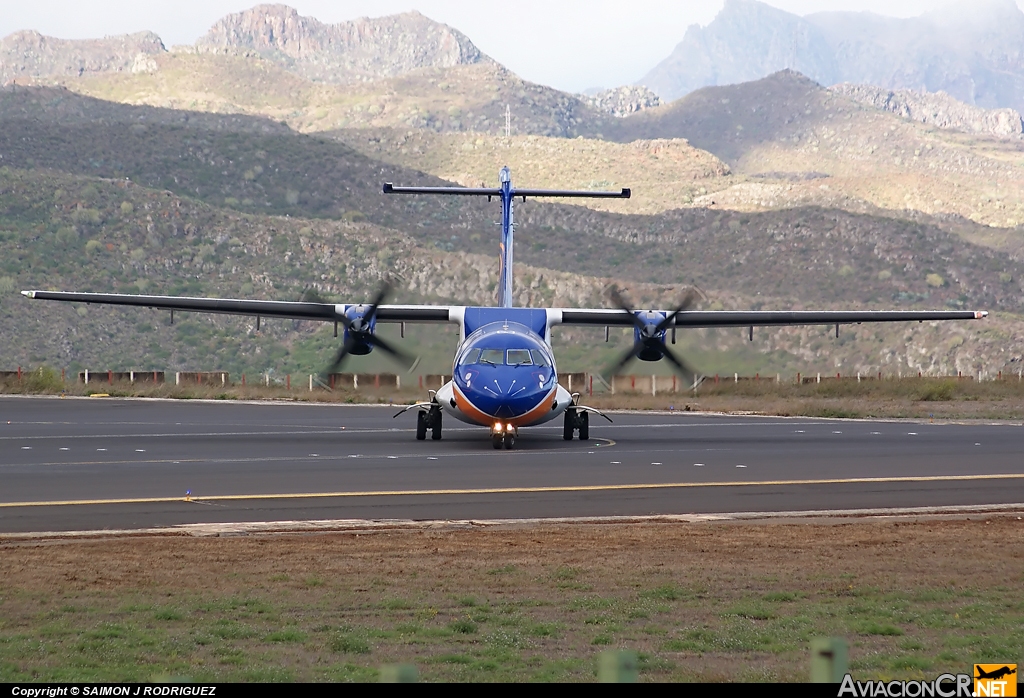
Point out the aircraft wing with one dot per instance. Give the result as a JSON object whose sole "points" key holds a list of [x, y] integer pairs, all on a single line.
{"points": [[759, 318], [327, 312]]}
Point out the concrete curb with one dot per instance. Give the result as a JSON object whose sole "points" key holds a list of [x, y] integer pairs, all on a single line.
{"points": [[237, 529]]}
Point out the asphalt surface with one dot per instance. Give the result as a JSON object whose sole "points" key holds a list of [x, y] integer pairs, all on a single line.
{"points": [[101, 463]]}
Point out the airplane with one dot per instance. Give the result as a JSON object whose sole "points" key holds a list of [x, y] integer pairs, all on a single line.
{"points": [[504, 375], [995, 673]]}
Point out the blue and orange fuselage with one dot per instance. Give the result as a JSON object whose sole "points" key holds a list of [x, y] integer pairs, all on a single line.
{"points": [[504, 372]]}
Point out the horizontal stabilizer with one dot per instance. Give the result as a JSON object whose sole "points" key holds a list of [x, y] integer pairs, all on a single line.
{"points": [[389, 188], [623, 194]]}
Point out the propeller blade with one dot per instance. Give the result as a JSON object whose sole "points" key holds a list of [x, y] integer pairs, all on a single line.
{"points": [[619, 301], [689, 300], [691, 376], [385, 289], [609, 372], [403, 358], [340, 357]]}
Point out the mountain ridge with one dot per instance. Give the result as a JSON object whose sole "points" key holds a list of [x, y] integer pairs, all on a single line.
{"points": [[28, 54], [970, 50], [343, 53], [357, 50]]}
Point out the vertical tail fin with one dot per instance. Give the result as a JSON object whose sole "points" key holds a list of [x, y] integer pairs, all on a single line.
{"points": [[507, 230], [507, 194]]}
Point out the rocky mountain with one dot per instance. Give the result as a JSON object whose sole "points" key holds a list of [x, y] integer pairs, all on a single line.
{"points": [[746, 41], [938, 109], [623, 101], [468, 98], [363, 49], [360, 50], [800, 144], [971, 50], [26, 54]]}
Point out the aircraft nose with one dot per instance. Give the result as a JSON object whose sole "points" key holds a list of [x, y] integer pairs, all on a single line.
{"points": [[509, 398]]}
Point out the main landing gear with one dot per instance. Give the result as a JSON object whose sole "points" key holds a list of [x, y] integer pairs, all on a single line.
{"points": [[428, 419], [576, 420]]}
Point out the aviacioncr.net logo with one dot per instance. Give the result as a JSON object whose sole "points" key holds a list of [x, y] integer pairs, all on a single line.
{"points": [[995, 680], [944, 686]]}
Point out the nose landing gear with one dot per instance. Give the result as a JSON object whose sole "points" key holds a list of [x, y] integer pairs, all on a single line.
{"points": [[504, 435]]}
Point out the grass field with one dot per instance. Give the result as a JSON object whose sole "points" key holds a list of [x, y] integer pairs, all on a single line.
{"points": [[712, 601]]}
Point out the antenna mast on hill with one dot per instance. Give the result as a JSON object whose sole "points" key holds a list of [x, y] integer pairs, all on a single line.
{"points": [[508, 121]]}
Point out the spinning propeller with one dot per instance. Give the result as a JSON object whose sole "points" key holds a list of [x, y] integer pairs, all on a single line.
{"points": [[650, 343], [360, 337]]}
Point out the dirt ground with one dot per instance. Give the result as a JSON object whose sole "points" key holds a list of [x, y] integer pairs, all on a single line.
{"points": [[733, 601]]}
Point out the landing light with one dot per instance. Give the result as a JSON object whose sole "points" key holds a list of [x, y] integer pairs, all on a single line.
{"points": [[496, 428]]}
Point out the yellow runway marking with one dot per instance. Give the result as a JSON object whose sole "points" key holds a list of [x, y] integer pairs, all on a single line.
{"points": [[519, 490]]}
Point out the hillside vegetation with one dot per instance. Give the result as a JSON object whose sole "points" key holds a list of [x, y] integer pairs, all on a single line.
{"points": [[229, 173], [663, 174], [788, 141], [810, 144], [73, 232], [470, 97], [811, 253]]}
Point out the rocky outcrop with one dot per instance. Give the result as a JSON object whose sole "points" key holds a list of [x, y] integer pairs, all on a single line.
{"points": [[970, 50], [623, 101], [363, 49], [937, 109], [29, 54]]}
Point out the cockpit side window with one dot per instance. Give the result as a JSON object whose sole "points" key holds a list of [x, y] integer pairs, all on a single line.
{"points": [[540, 358], [470, 357], [519, 357]]}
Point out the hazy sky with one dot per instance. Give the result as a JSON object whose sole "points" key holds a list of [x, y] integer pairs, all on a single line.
{"points": [[568, 44]]}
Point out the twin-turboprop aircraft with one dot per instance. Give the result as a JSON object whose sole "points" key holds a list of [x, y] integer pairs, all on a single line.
{"points": [[504, 376]]}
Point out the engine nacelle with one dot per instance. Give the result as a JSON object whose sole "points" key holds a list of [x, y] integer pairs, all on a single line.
{"points": [[358, 327], [651, 319]]}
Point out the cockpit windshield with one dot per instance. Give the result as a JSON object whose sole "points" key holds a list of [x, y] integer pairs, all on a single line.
{"points": [[519, 357], [510, 357]]}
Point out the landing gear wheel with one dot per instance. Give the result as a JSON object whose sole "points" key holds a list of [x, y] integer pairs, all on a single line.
{"points": [[435, 427], [584, 421], [569, 424], [496, 441], [510, 441], [421, 425]]}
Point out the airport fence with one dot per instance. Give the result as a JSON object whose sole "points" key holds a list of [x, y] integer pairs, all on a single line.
{"points": [[574, 382]]}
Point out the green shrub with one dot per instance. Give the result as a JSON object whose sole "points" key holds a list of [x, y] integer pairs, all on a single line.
{"points": [[939, 392]]}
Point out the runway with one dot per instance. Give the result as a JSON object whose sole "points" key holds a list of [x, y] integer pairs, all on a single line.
{"points": [[98, 463]]}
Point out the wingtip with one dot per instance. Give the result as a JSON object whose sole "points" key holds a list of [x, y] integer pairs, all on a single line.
{"points": [[388, 187], [979, 314], [29, 294]]}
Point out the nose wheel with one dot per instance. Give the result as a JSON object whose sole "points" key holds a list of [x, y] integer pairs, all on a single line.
{"points": [[503, 436]]}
